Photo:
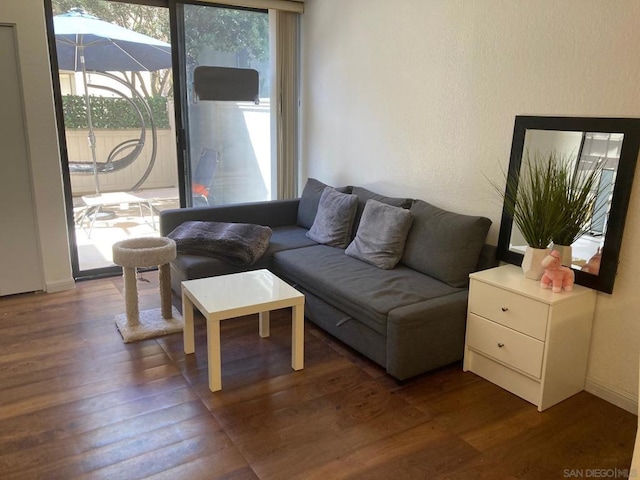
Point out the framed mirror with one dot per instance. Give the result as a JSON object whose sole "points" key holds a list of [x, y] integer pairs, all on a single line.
{"points": [[612, 143]]}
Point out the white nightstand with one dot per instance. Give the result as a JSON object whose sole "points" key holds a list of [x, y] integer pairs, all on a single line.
{"points": [[526, 339]]}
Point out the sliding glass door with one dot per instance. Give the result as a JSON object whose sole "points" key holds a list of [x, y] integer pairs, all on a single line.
{"points": [[114, 72], [138, 137], [225, 69]]}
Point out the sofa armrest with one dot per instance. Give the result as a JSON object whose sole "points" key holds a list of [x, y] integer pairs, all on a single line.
{"points": [[426, 335], [273, 213]]}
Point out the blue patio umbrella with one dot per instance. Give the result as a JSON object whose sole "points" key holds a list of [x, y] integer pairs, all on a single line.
{"points": [[86, 43], [106, 47]]}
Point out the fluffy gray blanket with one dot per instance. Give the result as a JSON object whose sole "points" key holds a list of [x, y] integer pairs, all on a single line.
{"points": [[236, 243]]}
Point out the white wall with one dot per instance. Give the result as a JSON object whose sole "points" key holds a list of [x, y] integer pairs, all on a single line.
{"points": [[28, 16], [418, 98]]}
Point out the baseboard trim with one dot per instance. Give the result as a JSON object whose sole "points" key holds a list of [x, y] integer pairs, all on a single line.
{"points": [[61, 285], [619, 398]]}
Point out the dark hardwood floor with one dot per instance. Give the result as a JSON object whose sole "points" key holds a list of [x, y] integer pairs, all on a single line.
{"points": [[76, 402]]}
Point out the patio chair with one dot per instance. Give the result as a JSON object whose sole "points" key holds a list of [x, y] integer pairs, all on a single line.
{"points": [[205, 170]]}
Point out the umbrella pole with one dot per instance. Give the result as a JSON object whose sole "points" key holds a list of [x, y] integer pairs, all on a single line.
{"points": [[92, 136]]}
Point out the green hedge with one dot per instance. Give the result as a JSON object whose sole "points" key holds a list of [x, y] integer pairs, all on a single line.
{"points": [[112, 113]]}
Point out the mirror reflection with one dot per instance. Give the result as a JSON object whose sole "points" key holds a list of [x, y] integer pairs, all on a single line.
{"points": [[608, 144], [585, 151]]}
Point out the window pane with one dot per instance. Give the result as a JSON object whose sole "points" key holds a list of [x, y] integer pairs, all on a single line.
{"points": [[229, 135]]}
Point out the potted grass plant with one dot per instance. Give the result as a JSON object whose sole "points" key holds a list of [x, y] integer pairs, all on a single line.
{"points": [[576, 194], [532, 200]]}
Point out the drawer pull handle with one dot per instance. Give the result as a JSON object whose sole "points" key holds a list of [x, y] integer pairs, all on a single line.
{"points": [[500, 345], [504, 309]]}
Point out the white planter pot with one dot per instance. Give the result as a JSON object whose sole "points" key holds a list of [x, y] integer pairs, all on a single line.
{"points": [[532, 262], [565, 254]]}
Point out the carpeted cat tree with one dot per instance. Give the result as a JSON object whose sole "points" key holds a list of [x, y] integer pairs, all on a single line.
{"points": [[140, 253]]}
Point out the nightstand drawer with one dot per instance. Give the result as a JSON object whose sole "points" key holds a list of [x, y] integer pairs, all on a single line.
{"points": [[509, 309], [505, 345]]}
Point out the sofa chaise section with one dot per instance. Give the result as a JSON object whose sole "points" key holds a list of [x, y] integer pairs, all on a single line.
{"points": [[280, 215]]}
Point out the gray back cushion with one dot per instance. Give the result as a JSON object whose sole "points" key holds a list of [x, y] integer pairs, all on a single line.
{"points": [[381, 235], [444, 245], [334, 219], [309, 200], [363, 195]]}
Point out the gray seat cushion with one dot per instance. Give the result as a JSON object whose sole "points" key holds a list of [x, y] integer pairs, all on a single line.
{"points": [[284, 238], [362, 291]]}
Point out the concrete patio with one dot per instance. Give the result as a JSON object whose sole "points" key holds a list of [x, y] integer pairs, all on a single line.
{"points": [[121, 221]]}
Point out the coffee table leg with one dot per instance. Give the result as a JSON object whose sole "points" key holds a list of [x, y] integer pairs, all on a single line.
{"points": [[213, 355], [297, 337], [264, 324], [188, 335]]}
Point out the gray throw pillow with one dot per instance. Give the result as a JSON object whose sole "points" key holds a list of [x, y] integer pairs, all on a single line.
{"points": [[381, 235], [309, 199], [444, 245], [334, 219], [364, 194]]}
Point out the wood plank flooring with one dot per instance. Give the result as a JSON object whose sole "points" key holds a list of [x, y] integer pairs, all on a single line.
{"points": [[76, 402]]}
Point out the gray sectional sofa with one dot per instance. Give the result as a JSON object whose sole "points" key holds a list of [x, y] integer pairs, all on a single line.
{"points": [[410, 318]]}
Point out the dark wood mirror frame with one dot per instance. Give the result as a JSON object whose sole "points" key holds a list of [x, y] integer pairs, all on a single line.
{"points": [[630, 128]]}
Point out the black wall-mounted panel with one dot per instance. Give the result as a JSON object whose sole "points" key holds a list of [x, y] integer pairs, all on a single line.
{"points": [[226, 84]]}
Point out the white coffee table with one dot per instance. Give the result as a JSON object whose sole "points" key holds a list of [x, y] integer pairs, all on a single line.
{"points": [[235, 295]]}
